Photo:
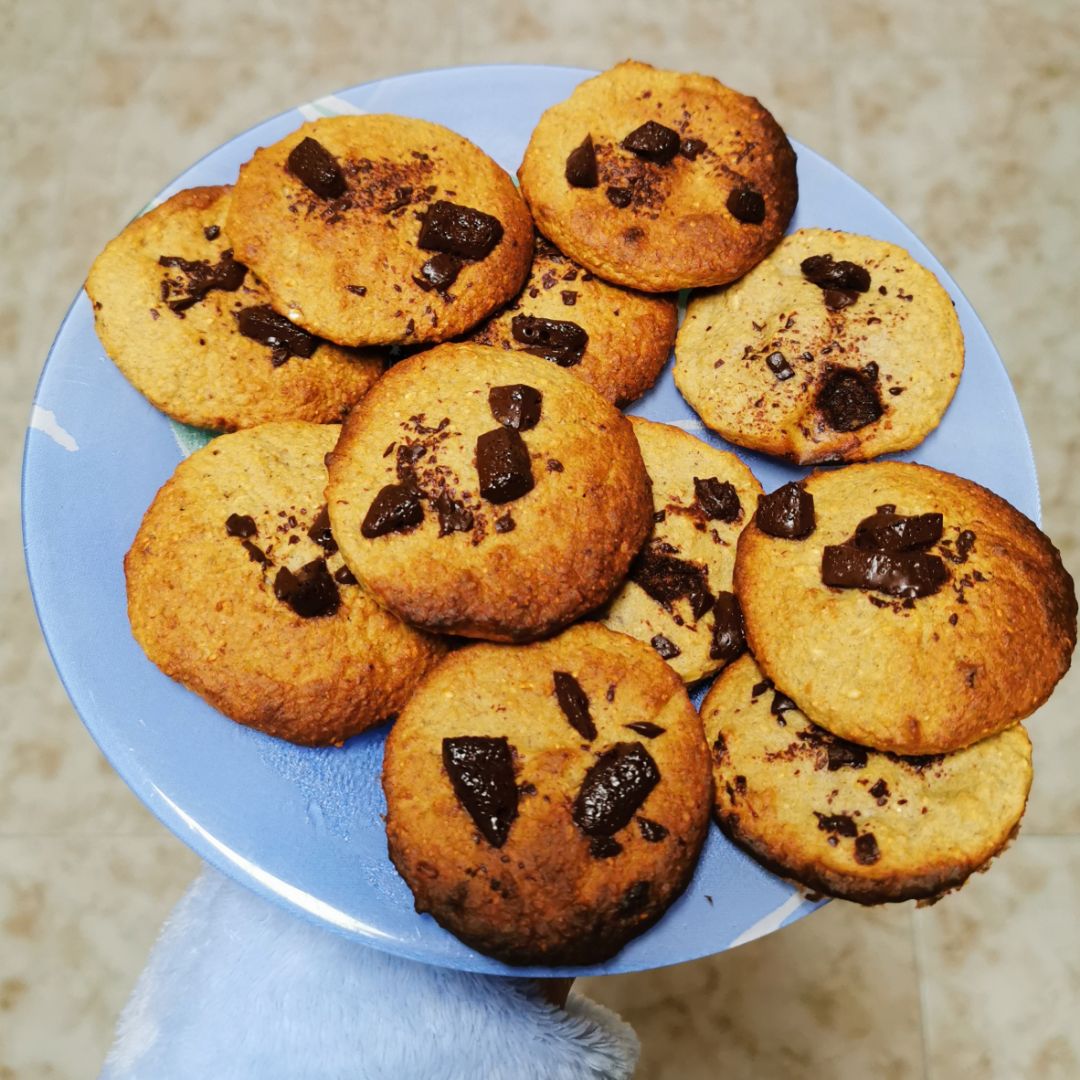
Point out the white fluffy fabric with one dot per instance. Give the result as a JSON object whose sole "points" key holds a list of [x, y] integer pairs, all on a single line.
{"points": [[238, 989]]}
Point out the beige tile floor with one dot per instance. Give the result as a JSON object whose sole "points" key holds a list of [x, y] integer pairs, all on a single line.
{"points": [[963, 117]]}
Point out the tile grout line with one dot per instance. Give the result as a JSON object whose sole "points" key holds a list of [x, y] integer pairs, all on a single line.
{"points": [[921, 984]]}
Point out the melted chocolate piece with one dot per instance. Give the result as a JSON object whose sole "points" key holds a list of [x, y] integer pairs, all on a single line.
{"points": [[691, 148], [554, 339], [516, 406], [241, 525], [787, 513], [888, 531], [264, 325], [728, 637], [407, 457], [646, 728], [255, 553], [503, 465], [613, 789], [226, 274], [781, 703], [720, 501], [838, 299], [880, 791], [777, 363], [844, 754], [866, 850], [481, 770], [619, 196], [964, 543], [505, 524], [316, 168], [918, 762], [454, 516], [634, 899], [212, 232], [907, 574], [653, 142], [826, 274], [666, 579], [849, 400], [652, 831], [439, 272], [574, 703], [310, 592], [603, 847], [344, 576], [459, 230], [840, 824], [746, 206], [665, 647], [320, 532], [581, 165], [395, 509]]}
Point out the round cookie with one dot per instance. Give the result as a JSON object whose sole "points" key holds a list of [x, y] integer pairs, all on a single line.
{"points": [[409, 234], [546, 803], [855, 356], [850, 822], [488, 493], [705, 195], [175, 330], [678, 596], [919, 645], [619, 340], [236, 590]]}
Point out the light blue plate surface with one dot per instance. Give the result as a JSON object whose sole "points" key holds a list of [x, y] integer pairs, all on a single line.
{"points": [[303, 826]]}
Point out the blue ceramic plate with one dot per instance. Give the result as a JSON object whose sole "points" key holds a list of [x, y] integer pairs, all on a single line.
{"points": [[302, 826]]}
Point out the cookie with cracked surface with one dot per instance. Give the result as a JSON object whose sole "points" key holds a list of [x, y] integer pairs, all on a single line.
{"points": [[236, 589], [192, 330], [836, 348], [852, 822], [678, 596], [487, 493], [546, 803], [904, 608], [660, 180], [381, 229], [617, 340]]}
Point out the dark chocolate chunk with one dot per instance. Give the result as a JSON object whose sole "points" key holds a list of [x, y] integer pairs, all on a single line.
{"points": [[357, 290], [843, 754], [964, 544], [459, 230], [619, 196], [665, 647], [481, 769], [505, 524], [728, 637], [746, 205], [646, 728], [691, 148], [226, 275], [439, 272], [907, 574], [603, 847], [781, 703], [719, 746], [652, 831], [344, 576], [503, 465], [574, 703], [581, 165], [241, 525], [402, 197], [827, 274], [212, 232], [316, 168], [395, 509], [255, 553], [866, 850], [454, 516], [320, 532], [516, 406], [777, 363], [554, 339], [787, 513], [666, 579], [759, 688], [407, 457], [849, 400], [634, 899], [840, 824], [889, 531], [720, 501], [614, 788], [880, 791], [264, 325], [838, 299], [569, 297], [310, 592], [653, 142]]}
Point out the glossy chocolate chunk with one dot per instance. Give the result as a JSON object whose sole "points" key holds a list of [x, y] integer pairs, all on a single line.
{"points": [[781, 704], [746, 206], [316, 168], [581, 165], [691, 148], [241, 525], [503, 465], [667, 649], [653, 142], [202, 276], [407, 457], [212, 232], [619, 196], [459, 230], [255, 553], [311, 592], [344, 576], [264, 325], [652, 831], [840, 824], [788, 513], [574, 703], [889, 531], [439, 272], [603, 847], [454, 516], [964, 544], [646, 728], [845, 755], [866, 850], [481, 770], [838, 299], [395, 509], [728, 637], [614, 788], [717, 498], [822, 271], [554, 339], [849, 400], [777, 363], [907, 574], [516, 406], [320, 532], [667, 579]]}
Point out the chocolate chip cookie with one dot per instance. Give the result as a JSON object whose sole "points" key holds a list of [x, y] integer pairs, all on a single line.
{"points": [[546, 803], [192, 328], [236, 589], [904, 608], [848, 821], [678, 597], [381, 229], [836, 348], [617, 340], [660, 180], [488, 493]]}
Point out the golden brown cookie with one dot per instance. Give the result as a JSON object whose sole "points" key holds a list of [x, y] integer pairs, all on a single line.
{"points": [[836, 348], [851, 822], [371, 229], [546, 803], [488, 493], [660, 180], [678, 597], [236, 589], [904, 608], [192, 329], [617, 340]]}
